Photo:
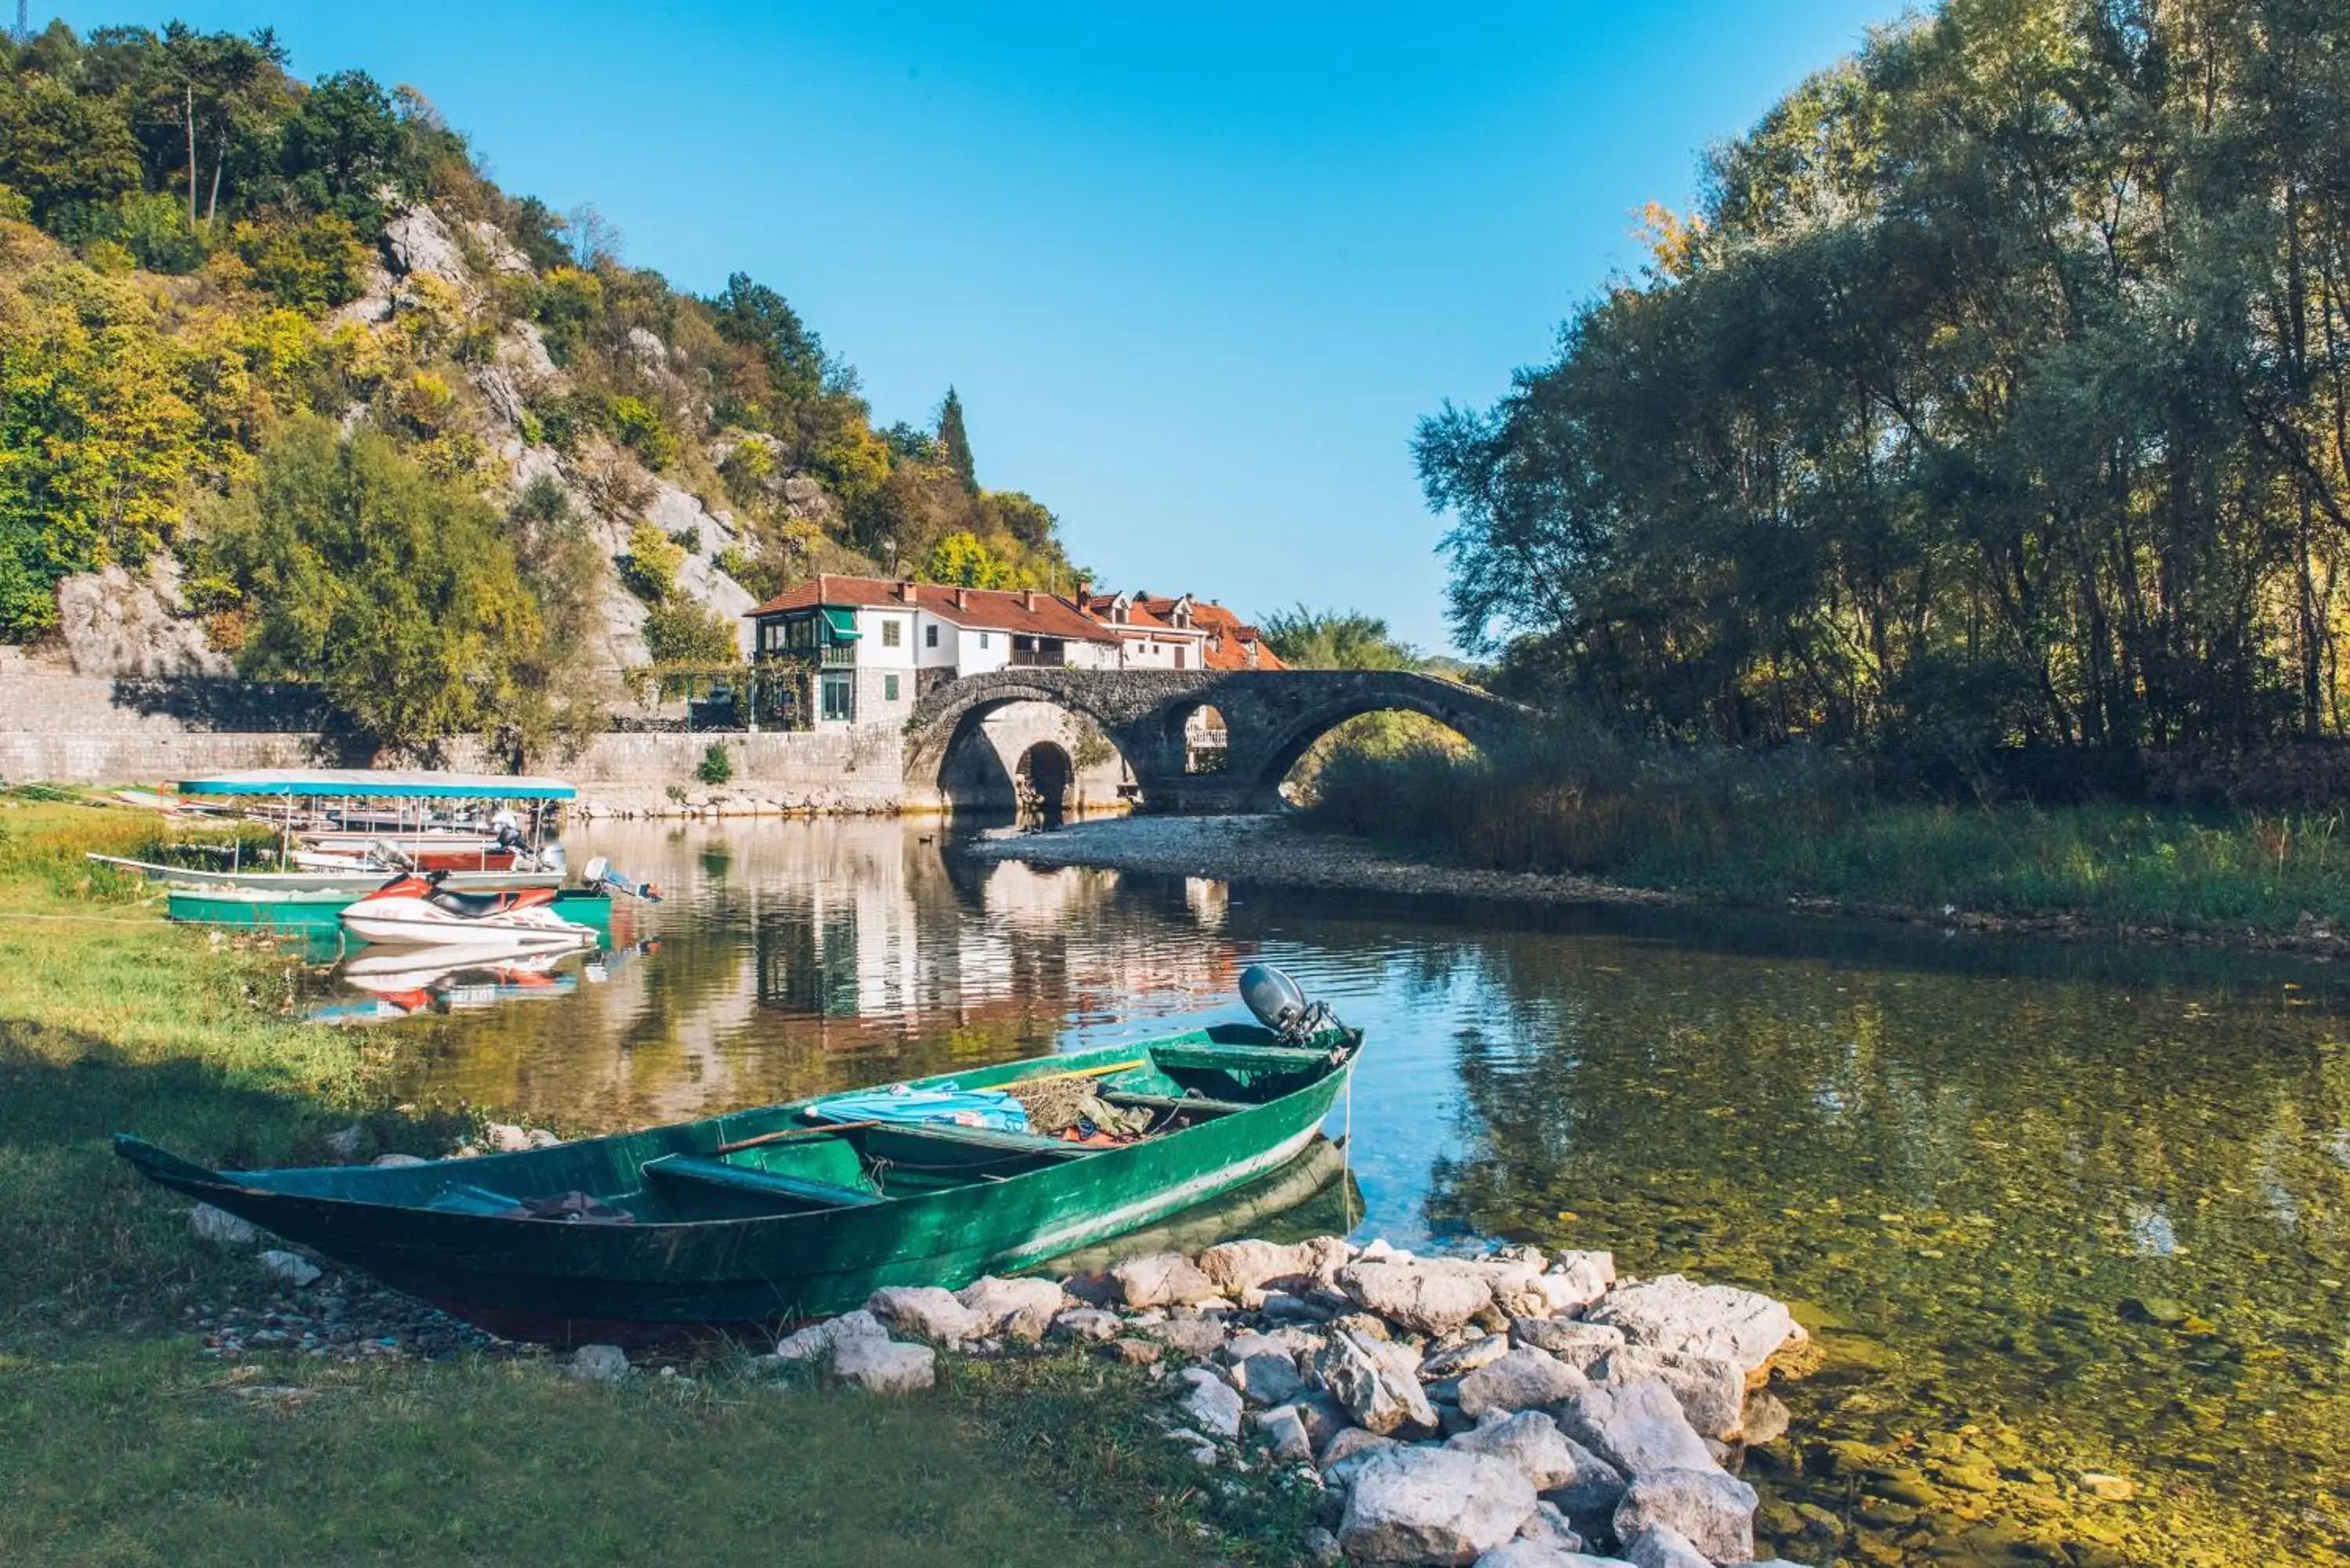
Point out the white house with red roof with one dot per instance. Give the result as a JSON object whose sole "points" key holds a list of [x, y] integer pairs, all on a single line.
{"points": [[875, 644], [1179, 633]]}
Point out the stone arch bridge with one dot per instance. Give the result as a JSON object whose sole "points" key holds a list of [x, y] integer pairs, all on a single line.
{"points": [[1270, 717]]}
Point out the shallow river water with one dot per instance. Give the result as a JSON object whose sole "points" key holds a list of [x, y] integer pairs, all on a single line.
{"points": [[2073, 1226]]}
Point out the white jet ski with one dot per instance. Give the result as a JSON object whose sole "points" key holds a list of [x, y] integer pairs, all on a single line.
{"points": [[417, 911]]}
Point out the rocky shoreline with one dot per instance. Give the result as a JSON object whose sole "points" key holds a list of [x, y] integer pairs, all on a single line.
{"points": [[1510, 1410], [1277, 851]]}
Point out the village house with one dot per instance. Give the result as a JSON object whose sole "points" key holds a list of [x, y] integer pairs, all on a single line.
{"points": [[875, 646], [1179, 633]]}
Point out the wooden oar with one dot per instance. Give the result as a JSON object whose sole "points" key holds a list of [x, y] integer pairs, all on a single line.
{"points": [[790, 1133]]}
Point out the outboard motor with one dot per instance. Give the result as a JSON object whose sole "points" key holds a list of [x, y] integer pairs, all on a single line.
{"points": [[595, 874], [1280, 1004]]}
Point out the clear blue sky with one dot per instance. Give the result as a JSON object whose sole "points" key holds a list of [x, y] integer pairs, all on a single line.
{"points": [[1195, 269]]}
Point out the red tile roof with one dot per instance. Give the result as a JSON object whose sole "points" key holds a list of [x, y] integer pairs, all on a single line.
{"points": [[1028, 613]]}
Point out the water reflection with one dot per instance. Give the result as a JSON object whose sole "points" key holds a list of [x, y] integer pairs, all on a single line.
{"points": [[2099, 1201]]}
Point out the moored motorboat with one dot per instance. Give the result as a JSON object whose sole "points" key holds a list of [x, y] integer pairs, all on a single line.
{"points": [[417, 911], [763, 1216]]}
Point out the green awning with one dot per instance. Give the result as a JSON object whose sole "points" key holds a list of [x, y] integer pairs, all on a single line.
{"points": [[843, 623]]}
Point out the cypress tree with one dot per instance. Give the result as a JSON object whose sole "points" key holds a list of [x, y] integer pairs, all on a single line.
{"points": [[954, 446]]}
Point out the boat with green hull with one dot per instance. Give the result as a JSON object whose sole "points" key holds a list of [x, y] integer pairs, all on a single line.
{"points": [[762, 1217]]}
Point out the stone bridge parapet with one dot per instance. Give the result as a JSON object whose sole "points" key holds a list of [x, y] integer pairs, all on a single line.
{"points": [[1270, 717]]}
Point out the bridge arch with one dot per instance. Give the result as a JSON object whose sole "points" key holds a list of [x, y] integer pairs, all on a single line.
{"points": [[951, 751], [1270, 718]]}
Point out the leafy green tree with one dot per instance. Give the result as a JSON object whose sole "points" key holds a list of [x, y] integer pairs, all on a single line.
{"points": [[751, 313], [61, 149], [1336, 640], [678, 632], [395, 590], [344, 146], [1995, 394], [963, 560]]}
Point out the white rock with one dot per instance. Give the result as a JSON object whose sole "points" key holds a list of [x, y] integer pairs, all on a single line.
{"points": [[1285, 1430], [1089, 1323], [1198, 1337], [600, 1364], [1547, 1526], [1429, 1297], [1268, 1380], [817, 1341], [1432, 1506], [1542, 1554], [1161, 1279], [1212, 1403], [1360, 1379], [540, 1137], [1661, 1546], [1711, 1391], [884, 1365], [1580, 1344], [1677, 1314], [345, 1142], [1635, 1427], [1519, 1380], [1236, 1266], [389, 1160], [1466, 1357], [1576, 1280], [505, 1138], [220, 1227], [1348, 1451], [1714, 1511], [290, 1266], [1530, 1440], [925, 1312], [1321, 1547], [1013, 1309]]}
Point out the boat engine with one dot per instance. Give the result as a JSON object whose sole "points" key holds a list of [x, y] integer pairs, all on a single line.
{"points": [[1280, 1004]]}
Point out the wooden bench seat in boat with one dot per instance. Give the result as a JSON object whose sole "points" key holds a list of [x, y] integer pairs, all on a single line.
{"points": [[696, 1171], [1215, 1058], [979, 1137]]}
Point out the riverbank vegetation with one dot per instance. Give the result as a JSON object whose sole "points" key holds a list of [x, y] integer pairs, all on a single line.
{"points": [[1795, 824], [126, 1444], [1997, 392], [203, 255]]}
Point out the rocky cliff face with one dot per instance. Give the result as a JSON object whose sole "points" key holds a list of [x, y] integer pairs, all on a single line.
{"points": [[119, 624]]}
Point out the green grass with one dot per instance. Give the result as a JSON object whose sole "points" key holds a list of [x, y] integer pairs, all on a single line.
{"points": [[120, 1443], [1746, 830]]}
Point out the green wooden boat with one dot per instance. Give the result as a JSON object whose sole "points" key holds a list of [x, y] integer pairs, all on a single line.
{"points": [[759, 1216]]}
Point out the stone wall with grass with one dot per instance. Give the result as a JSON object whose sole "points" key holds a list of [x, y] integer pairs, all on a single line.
{"points": [[58, 728]]}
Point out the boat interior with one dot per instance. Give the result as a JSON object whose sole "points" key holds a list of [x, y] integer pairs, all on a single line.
{"points": [[778, 1162]]}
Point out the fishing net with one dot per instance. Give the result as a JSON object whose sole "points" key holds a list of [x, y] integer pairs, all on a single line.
{"points": [[1056, 1103]]}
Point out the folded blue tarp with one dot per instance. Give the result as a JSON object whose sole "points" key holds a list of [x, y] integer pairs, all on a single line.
{"points": [[990, 1108]]}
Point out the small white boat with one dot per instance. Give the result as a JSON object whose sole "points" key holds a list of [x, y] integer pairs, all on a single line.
{"points": [[417, 911]]}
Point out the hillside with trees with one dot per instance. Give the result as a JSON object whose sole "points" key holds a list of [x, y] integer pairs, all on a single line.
{"points": [[280, 364], [1997, 392]]}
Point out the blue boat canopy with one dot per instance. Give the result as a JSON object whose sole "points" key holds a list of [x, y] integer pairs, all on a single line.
{"points": [[387, 786]]}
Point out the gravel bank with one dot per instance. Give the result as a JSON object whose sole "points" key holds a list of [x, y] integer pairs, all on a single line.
{"points": [[1275, 851]]}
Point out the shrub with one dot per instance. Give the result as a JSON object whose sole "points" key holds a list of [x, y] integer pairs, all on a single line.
{"points": [[717, 764], [638, 426], [315, 264], [650, 568]]}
